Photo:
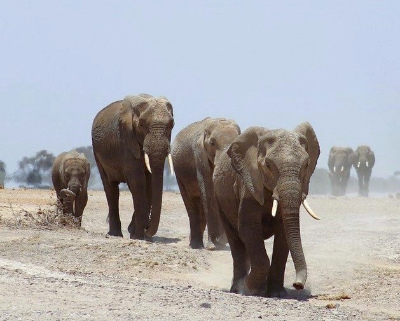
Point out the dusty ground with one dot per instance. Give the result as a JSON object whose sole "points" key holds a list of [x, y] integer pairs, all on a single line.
{"points": [[64, 274]]}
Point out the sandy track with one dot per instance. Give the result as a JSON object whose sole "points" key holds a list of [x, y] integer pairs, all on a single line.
{"points": [[81, 275]]}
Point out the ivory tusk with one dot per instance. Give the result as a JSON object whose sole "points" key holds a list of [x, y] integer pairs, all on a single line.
{"points": [[358, 165], [366, 164], [342, 169], [147, 161], [274, 207], [334, 168], [309, 210], [171, 165]]}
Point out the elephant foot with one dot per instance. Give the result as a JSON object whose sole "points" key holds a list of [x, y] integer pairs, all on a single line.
{"points": [[242, 287], [114, 233], [276, 291], [196, 244], [142, 237], [213, 246]]}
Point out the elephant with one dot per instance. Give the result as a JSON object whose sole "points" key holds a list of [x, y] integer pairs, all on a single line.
{"points": [[70, 174], [260, 183], [340, 162], [194, 152], [131, 139], [364, 160]]}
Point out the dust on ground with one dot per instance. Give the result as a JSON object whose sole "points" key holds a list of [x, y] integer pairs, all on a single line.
{"points": [[353, 258]]}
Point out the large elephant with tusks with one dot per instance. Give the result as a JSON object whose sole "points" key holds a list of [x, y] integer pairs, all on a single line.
{"points": [[131, 139]]}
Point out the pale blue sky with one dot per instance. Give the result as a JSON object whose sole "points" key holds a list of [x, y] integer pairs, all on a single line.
{"points": [[272, 64]]}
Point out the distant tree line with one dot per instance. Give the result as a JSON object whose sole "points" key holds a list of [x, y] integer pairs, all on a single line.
{"points": [[35, 171]]}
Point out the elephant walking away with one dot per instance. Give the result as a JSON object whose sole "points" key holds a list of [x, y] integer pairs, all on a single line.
{"points": [[260, 183], [340, 162], [70, 175], [364, 160], [195, 150], [131, 139]]}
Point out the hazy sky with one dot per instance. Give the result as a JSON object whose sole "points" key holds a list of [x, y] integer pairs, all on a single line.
{"points": [[275, 64]]}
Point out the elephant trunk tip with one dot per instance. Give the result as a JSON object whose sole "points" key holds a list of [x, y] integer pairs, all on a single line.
{"points": [[301, 277]]}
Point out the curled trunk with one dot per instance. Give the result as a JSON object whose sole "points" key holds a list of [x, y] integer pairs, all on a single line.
{"points": [[290, 200]]}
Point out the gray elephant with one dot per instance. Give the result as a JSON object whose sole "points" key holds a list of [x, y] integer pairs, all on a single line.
{"points": [[364, 160], [131, 139], [340, 162], [195, 150], [70, 175], [260, 183]]}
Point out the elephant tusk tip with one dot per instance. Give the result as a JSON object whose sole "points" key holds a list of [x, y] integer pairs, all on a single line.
{"points": [[310, 211]]}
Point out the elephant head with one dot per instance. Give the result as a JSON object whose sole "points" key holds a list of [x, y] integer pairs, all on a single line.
{"points": [[279, 163], [216, 137], [74, 172], [364, 158], [146, 123]]}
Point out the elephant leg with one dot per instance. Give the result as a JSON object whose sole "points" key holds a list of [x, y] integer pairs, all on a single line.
{"points": [[192, 208], [131, 227], [140, 219], [241, 264], [112, 193], [80, 204], [250, 231], [276, 273], [367, 177], [197, 223]]}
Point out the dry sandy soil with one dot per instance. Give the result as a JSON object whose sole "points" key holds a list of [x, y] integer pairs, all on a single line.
{"points": [[353, 258]]}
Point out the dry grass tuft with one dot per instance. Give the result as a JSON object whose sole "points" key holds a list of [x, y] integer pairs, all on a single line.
{"points": [[338, 297], [50, 218], [331, 306]]}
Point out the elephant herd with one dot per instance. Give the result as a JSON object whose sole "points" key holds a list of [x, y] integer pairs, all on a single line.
{"points": [[245, 187], [340, 162]]}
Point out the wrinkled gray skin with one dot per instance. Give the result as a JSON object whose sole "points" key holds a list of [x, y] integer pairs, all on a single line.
{"points": [[121, 133], [340, 162], [195, 150], [70, 175], [364, 160], [259, 166]]}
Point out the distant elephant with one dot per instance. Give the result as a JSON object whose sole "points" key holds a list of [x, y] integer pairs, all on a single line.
{"points": [[195, 150], [340, 162], [70, 175], [260, 183], [364, 160], [131, 139]]}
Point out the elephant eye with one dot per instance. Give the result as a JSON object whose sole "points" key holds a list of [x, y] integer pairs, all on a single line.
{"points": [[212, 142]]}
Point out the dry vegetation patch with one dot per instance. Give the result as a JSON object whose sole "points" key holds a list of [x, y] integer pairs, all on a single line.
{"points": [[49, 218]]}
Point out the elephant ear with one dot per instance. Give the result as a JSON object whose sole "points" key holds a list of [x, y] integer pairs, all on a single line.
{"points": [[313, 149], [331, 159], [351, 156], [131, 108], [243, 153], [201, 156], [371, 155]]}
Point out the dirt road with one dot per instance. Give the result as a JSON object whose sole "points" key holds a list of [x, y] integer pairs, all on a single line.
{"points": [[353, 258]]}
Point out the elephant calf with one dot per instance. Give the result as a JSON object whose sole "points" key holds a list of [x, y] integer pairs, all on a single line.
{"points": [[364, 160], [195, 150], [70, 175], [340, 162]]}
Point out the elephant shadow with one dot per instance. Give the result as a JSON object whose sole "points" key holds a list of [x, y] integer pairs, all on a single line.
{"points": [[299, 295], [165, 240]]}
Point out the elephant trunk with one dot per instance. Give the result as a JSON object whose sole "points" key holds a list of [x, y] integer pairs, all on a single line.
{"points": [[290, 197], [74, 186], [156, 145]]}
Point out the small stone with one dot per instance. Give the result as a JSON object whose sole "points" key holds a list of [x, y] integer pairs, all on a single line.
{"points": [[206, 305]]}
